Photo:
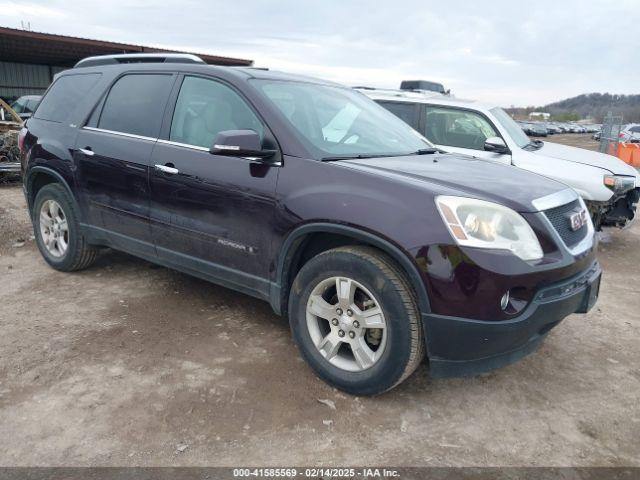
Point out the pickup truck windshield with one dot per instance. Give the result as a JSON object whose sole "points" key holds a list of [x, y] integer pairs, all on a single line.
{"points": [[340, 122], [513, 129]]}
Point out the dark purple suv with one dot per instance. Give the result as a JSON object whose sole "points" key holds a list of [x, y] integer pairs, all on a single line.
{"points": [[379, 249]]}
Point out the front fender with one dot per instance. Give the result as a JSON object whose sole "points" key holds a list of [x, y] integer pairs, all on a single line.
{"points": [[397, 217], [587, 180], [403, 258]]}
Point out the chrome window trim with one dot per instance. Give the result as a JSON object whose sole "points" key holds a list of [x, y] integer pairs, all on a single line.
{"points": [[185, 145], [555, 199], [205, 149], [168, 142], [227, 147], [122, 134]]}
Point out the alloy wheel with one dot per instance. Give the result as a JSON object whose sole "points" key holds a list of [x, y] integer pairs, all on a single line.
{"points": [[54, 228], [346, 324]]}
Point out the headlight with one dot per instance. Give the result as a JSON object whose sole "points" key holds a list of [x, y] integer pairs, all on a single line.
{"points": [[476, 223], [619, 183]]}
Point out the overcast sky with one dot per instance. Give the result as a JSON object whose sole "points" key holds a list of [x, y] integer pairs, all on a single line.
{"points": [[509, 52]]}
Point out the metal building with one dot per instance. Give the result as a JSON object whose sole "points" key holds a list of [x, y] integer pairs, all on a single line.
{"points": [[29, 60]]}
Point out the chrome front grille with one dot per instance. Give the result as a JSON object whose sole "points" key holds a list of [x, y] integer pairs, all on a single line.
{"points": [[560, 218]]}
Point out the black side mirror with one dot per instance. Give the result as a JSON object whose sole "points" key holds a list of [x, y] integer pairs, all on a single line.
{"points": [[496, 145], [240, 143]]}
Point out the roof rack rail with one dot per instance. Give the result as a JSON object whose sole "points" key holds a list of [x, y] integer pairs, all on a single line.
{"points": [[404, 93], [264, 69], [138, 58]]}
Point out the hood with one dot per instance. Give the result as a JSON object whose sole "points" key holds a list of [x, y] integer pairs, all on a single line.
{"points": [[451, 174], [586, 157]]}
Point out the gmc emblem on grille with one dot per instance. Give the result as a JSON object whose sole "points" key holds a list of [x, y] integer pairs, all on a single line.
{"points": [[578, 220]]}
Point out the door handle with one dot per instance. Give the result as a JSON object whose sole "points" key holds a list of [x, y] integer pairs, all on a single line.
{"points": [[87, 151], [167, 169]]}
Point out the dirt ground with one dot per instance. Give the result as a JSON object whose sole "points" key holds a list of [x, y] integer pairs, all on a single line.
{"points": [[127, 363], [575, 140]]}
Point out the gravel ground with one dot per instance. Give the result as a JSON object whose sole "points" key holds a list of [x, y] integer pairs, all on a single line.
{"points": [[127, 363]]}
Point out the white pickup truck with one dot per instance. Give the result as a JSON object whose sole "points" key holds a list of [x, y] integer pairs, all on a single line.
{"points": [[610, 187]]}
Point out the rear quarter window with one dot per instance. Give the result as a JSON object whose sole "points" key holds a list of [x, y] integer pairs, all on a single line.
{"points": [[64, 95]]}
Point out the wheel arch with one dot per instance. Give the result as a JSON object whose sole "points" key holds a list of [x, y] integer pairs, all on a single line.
{"points": [[38, 177], [297, 242]]}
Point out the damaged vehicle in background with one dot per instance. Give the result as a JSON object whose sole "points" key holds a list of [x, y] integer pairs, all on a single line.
{"points": [[609, 187], [534, 129], [10, 125], [26, 105]]}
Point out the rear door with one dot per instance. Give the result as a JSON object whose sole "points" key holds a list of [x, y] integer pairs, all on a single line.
{"points": [[212, 214], [458, 130], [112, 154]]}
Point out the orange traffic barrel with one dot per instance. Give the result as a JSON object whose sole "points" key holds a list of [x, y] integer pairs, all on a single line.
{"points": [[629, 153]]}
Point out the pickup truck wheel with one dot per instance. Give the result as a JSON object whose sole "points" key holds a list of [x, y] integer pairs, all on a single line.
{"points": [[57, 230], [354, 317]]}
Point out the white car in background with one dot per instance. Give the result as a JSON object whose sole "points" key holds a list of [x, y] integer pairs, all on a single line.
{"points": [[630, 133], [610, 187]]}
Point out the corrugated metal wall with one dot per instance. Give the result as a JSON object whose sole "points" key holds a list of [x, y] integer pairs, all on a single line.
{"points": [[17, 79]]}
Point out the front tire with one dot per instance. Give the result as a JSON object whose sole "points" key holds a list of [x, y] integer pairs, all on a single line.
{"points": [[354, 318], [56, 227]]}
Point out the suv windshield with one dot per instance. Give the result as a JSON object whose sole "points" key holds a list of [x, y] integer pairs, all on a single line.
{"points": [[340, 122], [513, 129]]}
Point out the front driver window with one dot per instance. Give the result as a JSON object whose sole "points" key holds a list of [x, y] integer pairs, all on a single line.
{"points": [[205, 108], [458, 128]]}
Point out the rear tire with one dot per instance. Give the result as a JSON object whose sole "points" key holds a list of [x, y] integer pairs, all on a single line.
{"points": [[56, 227], [354, 318]]}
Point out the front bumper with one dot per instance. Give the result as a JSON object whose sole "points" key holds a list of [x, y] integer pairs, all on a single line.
{"points": [[619, 212], [463, 347]]}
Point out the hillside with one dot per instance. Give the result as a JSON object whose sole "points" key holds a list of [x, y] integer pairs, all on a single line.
{"points": [[595, 105]]}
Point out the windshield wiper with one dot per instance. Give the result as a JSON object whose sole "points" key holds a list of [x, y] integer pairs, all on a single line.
{"points": [[422, 151], [350, 157], [427, 151]]}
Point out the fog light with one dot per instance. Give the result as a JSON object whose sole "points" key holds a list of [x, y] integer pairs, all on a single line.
{"points": [[504, 301]]}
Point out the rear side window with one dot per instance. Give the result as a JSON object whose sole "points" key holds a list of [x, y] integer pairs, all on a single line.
{"points": [[404, 111], [635, 129], [135, 104], [64, 95]]}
